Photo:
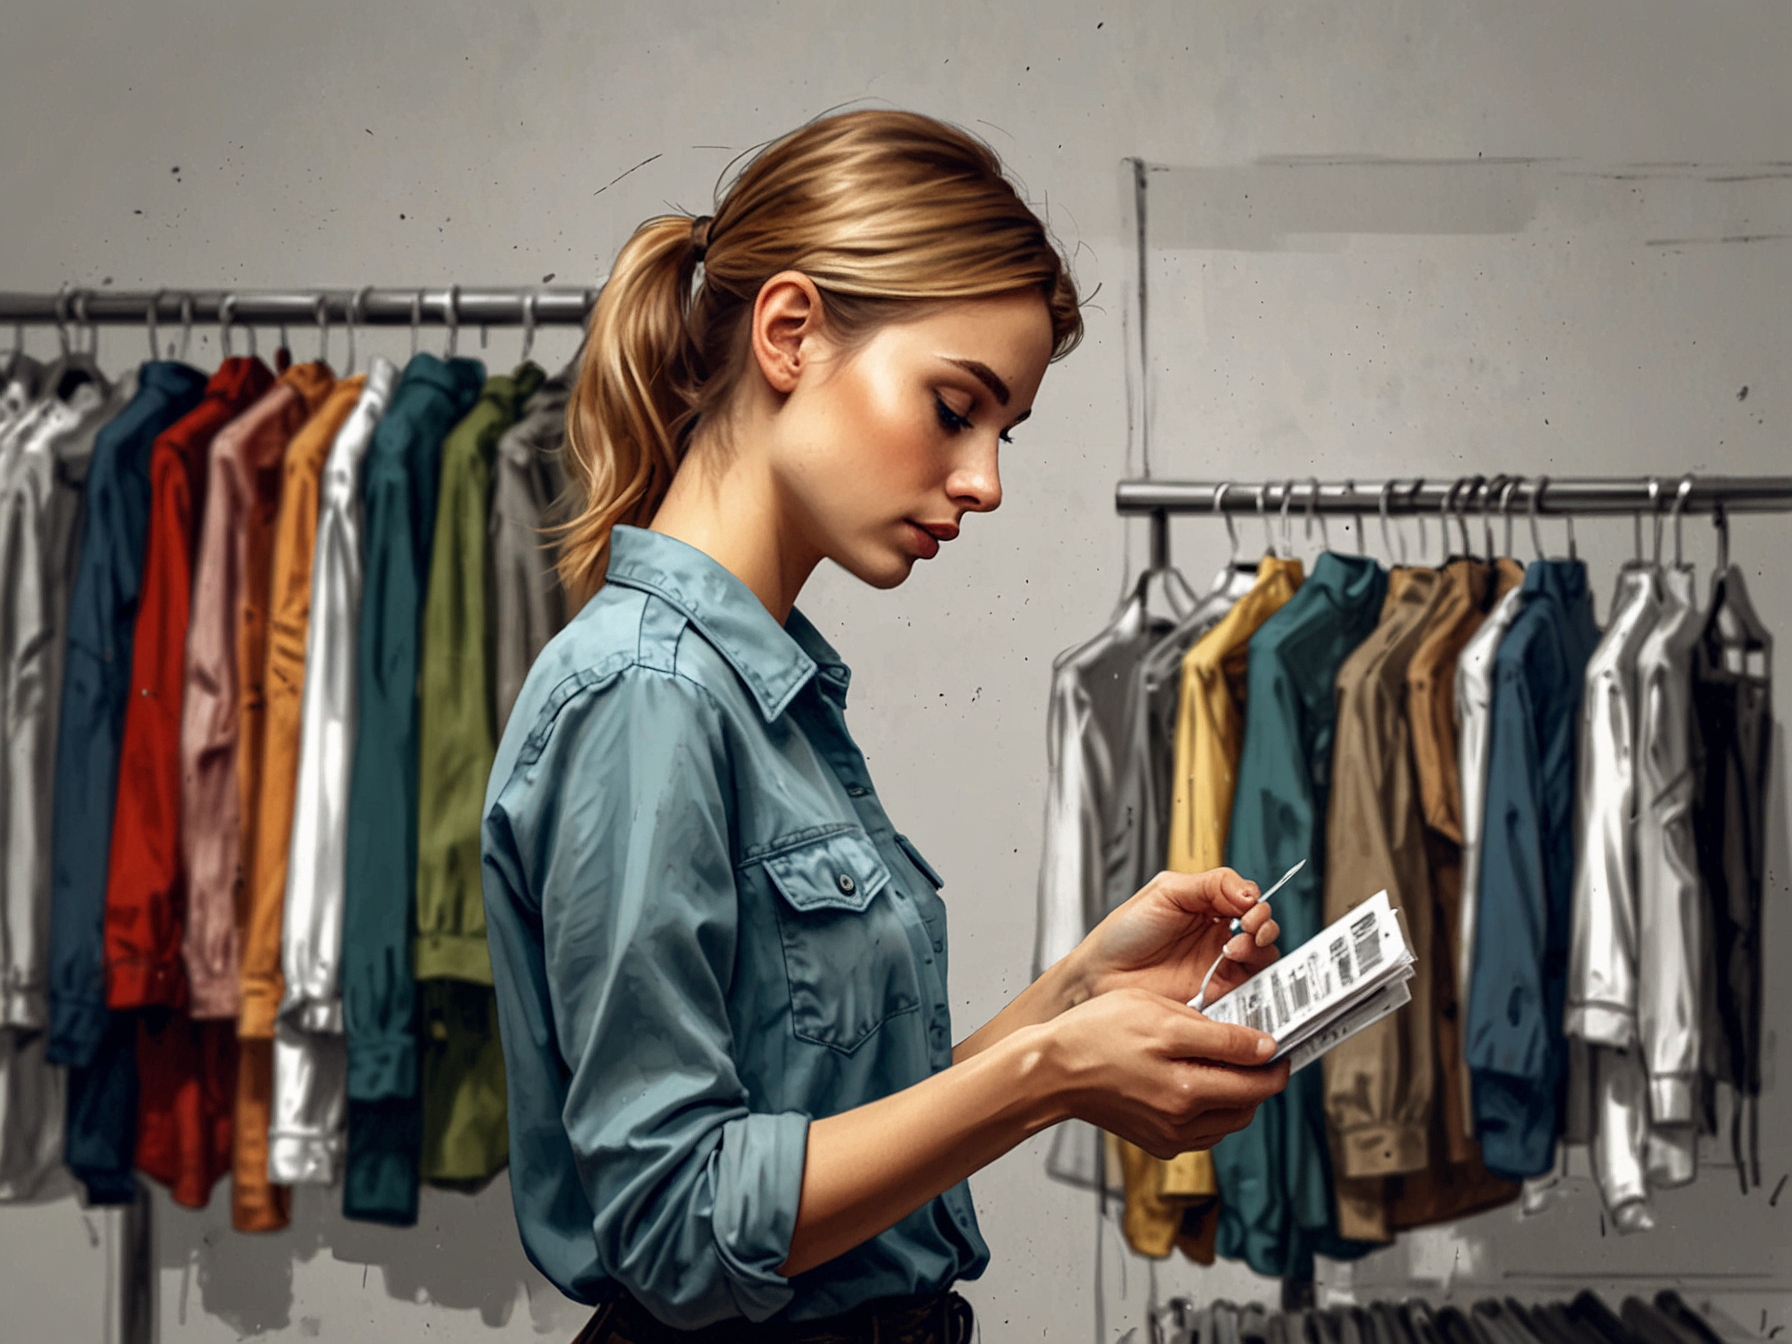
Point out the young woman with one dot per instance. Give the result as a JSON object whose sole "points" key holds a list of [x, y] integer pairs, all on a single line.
{"points": [[736, 1111]]}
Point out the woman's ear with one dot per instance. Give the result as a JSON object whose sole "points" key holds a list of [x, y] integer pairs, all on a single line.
{"points": [[787, 321]]}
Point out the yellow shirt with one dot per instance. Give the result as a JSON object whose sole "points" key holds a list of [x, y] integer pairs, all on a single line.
{"points": [[1174, 1203]]}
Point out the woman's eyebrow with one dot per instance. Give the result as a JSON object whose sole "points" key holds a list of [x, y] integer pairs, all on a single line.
{"points": [[983, 374]]}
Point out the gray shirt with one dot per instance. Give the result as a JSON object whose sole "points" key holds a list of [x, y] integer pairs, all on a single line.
{"points": [[528, 606], [44, 453]]}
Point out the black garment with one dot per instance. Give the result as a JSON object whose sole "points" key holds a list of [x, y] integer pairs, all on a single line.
{"points": [[1735, 734], [945, 1319], [1589, 1309], [1674, 1307], [1652, 1325]]}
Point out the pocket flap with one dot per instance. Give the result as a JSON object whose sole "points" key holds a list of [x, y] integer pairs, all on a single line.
{"points": [[835, 872]]}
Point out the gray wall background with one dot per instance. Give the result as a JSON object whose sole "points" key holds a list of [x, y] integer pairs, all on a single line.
{"points": [[1404, 238]]}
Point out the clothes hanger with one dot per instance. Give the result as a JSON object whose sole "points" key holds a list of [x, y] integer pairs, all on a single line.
{"points": [[357, 301], [227, 316], [1506, 513], [149, 324], [1287, 536], [186, 324], [323, 330], [1325, 532], [77, 367], [1536, 534], [1733, 625], [529, 301], [451, 316], [416, 320], [1387, 542]]}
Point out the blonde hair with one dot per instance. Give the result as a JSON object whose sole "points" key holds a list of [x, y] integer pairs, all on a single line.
{"points": [[882, 210]]}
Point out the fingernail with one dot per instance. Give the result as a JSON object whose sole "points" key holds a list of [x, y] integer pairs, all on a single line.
{"points": [[1239, 946], [1266, 1047]]}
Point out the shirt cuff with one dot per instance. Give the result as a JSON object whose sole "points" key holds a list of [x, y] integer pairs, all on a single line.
{"points": [[139, 983], [454, 956], [382, 1067], [260, 1006], [77, 1027], [757, 1175], [1601, 1024], [1671, 1099]]}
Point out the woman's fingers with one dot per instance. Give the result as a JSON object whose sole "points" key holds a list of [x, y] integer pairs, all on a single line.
{"points": [[1218, 891], [1195, 1036]]}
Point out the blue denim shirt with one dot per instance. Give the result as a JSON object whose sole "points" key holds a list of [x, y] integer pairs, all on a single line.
{"points": [[704, 933]]}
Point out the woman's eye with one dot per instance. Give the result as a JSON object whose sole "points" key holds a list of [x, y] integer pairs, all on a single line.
{"points": [[950, 418]]}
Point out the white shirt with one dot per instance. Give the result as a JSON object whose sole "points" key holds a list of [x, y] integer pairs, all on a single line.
{"points": [[310, 1065]]}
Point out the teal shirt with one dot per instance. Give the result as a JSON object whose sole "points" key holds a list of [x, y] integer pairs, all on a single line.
{"points": [[1275, 1178], [704, 933], [399, 482]]}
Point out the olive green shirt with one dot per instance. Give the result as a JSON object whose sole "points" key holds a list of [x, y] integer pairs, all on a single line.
{"points": [[465, 1136]]}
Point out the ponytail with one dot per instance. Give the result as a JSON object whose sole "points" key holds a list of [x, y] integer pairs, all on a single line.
{"points": [[882, 210], [626, 418]]}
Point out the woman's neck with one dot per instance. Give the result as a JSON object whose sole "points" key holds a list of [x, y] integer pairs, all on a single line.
{"points": [[727, 506]]}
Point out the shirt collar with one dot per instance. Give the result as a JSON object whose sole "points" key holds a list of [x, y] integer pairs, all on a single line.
{"points": [[773, 660], [1563, 580]]}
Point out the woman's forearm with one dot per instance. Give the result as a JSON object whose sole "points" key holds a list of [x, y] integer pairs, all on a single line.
{"points": [[1059, 987], [869, 1167]]}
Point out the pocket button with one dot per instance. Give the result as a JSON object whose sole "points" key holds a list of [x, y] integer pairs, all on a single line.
{"points": [[846, 883]]}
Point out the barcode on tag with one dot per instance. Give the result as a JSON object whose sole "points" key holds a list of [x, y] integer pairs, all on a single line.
{"points": [[1301, 988], [1256, 1012], [1368, 944], [1341, 959], [1280, 998]]}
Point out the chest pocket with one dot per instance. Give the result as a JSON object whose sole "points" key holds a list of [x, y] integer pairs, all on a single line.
{"points": [[846, 951]]}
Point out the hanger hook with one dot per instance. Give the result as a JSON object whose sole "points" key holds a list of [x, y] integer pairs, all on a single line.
{"points": [[357, 306], [1444, 506], [1412, 508], [534, 296], [416, 319], [82, 319], [323, 329], [1325, 532], [1487, 492], [1476, 483], [186, 321], [1269, 537], [226, 307], [149, 323], [1721, 521], [1655, 520], [1219, 507], [451, 315], [62, 317], [1387, 540], [1287, 535], [1356, 515], [1512, 485], [1536, 498], [1679, 511]]}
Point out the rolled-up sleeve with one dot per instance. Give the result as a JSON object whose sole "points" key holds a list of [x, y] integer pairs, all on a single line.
{"points": [[619, 806]]}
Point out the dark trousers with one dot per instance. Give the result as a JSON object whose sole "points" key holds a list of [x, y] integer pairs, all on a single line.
{"points": [[945, 1319]]}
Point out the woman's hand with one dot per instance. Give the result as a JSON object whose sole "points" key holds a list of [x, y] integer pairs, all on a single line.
{"points": [[1159, 1074], [1170, 931]]}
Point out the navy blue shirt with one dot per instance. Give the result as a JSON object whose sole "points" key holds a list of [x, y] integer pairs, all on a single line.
{"points": [[96, 684], [705, 933], [1524, 912]]}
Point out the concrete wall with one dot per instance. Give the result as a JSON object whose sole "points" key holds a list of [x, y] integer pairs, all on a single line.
{"points": [[1411, 238]]}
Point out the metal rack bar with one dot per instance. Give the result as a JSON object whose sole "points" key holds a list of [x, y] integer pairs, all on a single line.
{"points": [[1547, 496], [433, 306]]}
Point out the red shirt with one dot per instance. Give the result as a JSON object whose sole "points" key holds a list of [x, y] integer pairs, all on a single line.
{"points": [[186, 1069], [145, 888]]}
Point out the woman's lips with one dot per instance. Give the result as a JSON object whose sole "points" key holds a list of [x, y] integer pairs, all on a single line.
{"points": [[926, 544]]}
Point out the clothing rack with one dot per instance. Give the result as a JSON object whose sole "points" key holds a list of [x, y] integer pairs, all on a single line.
{"points": [[1457, 498], [450, 305]]}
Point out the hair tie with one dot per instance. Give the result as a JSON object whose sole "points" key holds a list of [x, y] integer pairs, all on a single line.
{"points": [[700, 236]]}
